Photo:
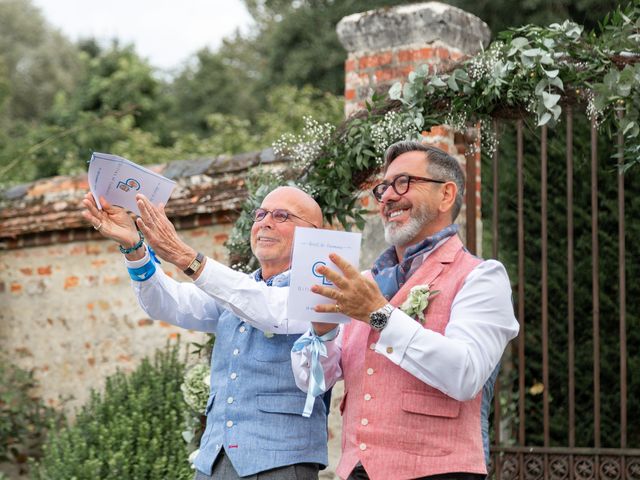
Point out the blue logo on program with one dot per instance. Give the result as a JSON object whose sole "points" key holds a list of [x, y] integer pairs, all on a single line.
{"points": [[316, 274], [129, 184]]}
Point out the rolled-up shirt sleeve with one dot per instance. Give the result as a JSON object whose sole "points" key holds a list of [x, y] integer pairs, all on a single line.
{"points": [[481, 324]]}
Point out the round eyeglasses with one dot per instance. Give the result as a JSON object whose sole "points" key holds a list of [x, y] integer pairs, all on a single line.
{"points": [[279, 215], [400, 185]]}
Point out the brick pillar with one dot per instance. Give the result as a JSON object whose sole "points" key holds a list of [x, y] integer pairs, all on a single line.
{"points": [[385, 45]]}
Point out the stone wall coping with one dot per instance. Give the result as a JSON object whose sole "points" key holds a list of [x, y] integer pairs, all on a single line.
{"points": [[213, 185], [419, 23]]}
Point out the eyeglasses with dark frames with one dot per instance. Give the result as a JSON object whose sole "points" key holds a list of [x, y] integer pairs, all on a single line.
{"points": [[279, 215], [400, 185]]}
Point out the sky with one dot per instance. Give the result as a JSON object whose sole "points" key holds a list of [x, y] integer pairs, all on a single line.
{"points": [[166, 32]]}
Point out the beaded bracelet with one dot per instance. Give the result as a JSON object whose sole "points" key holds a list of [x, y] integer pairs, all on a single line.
{"points": [[135, 247]]}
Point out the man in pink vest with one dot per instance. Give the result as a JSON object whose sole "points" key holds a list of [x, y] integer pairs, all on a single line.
{"points": [[429, 325]]}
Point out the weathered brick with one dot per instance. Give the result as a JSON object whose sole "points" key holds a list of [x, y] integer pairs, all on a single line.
{"points": [[93, 249], [145, 322], [71, 282], [375, 60], [220, 238], [46, 270], [413, 55], [440, 131], [443, 53], [392, 74], [349, 94], [111, 279], [164, 324], [349, 65], [98, 263], [16, 287], [26, 271], [91, 361], [23, 352]]}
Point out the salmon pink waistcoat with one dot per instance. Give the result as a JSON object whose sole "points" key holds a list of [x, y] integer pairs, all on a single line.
{"points": [[394, 424]]}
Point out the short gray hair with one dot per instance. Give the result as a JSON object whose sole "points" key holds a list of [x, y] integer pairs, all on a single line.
{"points": [[440, 166]]}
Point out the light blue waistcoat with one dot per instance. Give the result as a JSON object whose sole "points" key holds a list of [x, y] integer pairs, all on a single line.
{"points": [[255, 408]]}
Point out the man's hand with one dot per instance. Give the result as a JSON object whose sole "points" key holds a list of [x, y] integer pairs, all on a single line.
{"points": [[161, 234], [356, 296], [112, 222]]}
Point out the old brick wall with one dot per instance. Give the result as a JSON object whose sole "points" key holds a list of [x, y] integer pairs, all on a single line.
{"points": [[68, 312]]}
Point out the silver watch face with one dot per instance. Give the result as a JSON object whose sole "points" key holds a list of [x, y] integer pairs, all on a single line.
{"points": [[378, 319]]}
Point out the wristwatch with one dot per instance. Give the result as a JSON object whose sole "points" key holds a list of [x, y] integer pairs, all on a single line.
{"points": [[195, 265], [378, 319]]}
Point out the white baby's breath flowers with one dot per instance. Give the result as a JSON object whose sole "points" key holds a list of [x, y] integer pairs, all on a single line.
{"points": [[392, 128], [304, 148]]}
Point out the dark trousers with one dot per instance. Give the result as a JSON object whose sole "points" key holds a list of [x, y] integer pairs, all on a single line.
{"points": [[223, 470], [359, 473]]}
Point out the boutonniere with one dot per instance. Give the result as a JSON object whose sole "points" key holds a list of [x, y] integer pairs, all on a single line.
{"points": [[418, 300]]}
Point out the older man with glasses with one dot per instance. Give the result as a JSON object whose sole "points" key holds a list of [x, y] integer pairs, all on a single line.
{"points": [[255, 428]]}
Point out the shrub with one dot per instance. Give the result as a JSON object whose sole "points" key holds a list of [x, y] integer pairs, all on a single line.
{"points": [[23, 416], [131, 431]]}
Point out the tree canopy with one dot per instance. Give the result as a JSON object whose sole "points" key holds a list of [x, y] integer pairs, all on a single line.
{"points": [[60, 100]]}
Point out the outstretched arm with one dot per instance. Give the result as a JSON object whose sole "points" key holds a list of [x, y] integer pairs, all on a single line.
{"points": [[262, 306], [161, 297]]}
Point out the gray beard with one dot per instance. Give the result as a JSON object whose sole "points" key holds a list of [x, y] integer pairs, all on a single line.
{"points": [[401, 236]]}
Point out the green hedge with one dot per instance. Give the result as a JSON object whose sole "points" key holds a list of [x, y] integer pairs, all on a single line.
{"points": [[131, 431], [24, 417]]}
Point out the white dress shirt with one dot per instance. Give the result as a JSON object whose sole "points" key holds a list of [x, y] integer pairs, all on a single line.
{"points": [[457, 363], [189, 305]]}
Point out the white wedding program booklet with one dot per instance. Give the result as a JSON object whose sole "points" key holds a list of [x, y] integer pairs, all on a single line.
{"points": [[311, 249], [118, 180]]}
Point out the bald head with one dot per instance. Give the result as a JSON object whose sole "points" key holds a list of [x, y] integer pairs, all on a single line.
{"points": [[296, 201]]}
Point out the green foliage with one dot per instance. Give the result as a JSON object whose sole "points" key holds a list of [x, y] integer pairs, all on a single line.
{"points": [[297, 42], [528, 71], [607, 287], [24, 418], [537, 12], [537, 70], [132, 430], [217, 82], [36, 62]]}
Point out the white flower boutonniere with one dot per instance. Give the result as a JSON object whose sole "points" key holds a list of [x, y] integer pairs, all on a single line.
{"points": [[417, 301]]}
